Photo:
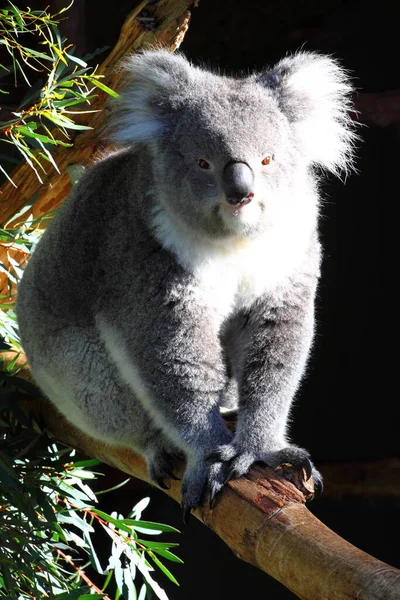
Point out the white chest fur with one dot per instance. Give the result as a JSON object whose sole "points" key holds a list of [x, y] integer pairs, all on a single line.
{"points": [[235, 272]]}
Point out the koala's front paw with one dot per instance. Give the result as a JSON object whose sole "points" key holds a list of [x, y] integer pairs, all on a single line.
{"points": [[196, 481], [237, 461], [299, 458]]}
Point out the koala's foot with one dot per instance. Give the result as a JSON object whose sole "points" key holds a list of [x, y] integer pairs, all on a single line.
{"points": [[238, 461], [159, 465]]}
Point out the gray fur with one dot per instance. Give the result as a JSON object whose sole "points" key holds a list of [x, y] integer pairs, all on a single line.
{"points": [[152, 301]]}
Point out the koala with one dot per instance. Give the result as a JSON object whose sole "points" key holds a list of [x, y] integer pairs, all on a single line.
{"points": [[179, 277]]}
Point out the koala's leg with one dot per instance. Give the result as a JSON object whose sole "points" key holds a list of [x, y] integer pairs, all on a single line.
{"points": [[272, 350], [74, 371], [171, 358]]}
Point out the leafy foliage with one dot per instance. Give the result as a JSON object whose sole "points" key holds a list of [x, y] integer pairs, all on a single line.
{"points": [[58, 83], [48, 517]]}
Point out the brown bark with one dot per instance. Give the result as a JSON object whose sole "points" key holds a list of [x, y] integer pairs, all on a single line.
{"points": [[263, 518]]}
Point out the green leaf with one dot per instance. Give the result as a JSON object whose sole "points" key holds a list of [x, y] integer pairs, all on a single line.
{"points": [[103, 87], [9, 580], [136, 512], [92, 554], [81, 474], [12, 363], [72, 77], [63, 121], [76, 60], [163, 568], [128, 581], [59, 53], [44, 504], [76, 595], [37, 136], [63, 10], [168, 555], [75, 520], [38, 54], [119, 575], [149, 525], [157, 545], [17, 15], [70, 492], [109, 519], [90, 462], [108, 579], [71, 102], [112, 489], [22, 384]]}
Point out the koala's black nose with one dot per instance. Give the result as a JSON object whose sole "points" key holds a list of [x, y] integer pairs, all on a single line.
{"points": [[238, 182]]}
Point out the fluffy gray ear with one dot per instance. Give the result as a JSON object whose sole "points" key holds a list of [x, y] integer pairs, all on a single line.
{"points": [[154, 79], [315, 94]]}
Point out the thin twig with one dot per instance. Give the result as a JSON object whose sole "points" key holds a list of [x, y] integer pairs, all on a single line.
{"points": [[81, 573]]}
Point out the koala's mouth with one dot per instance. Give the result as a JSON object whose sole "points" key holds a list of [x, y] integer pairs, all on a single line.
{"points": [[238, 203], [235, 207]]}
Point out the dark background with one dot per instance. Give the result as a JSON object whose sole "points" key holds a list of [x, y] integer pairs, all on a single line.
{"points": [[346, 407]]}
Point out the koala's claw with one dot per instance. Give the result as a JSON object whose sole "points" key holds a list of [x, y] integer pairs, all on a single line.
{"points": [[162, 484], [186, 513], [233, 472], [299, 458], [308, 467], [160, 469], [318, 483], [215, 488]]}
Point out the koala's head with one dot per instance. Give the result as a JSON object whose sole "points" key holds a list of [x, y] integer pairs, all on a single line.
{"points": [[228, 155]]}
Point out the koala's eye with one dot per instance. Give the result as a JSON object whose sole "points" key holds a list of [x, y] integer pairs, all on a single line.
{"points": [[203, 164], [266, 160]]}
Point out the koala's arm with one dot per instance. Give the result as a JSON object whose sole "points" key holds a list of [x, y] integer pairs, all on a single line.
{"points": [[274, 345], [277, 341]]}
